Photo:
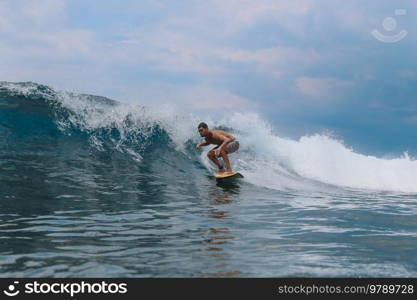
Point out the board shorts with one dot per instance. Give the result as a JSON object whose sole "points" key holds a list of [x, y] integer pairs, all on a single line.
{"points": [[232, 147]]}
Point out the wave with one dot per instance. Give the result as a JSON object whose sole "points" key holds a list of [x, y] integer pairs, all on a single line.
{"points": [[281, 162], [108, 125], [36, 113]]}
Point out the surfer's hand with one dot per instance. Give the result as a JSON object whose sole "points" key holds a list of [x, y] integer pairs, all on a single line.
{"points": [[217, 152], [198, 146]]}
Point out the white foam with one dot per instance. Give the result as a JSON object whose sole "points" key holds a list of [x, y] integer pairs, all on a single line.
{"points": [[281, 162]]}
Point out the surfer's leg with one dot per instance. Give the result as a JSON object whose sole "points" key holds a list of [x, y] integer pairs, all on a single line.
{"points": [[214, 159], [223, 154]]}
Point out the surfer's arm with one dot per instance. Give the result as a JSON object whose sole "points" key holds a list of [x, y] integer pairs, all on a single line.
{"points": [[202, 144], [226, 140]]}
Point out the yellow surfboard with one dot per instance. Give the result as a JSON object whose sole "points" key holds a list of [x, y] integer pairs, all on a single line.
{"points": [[228, 175]]}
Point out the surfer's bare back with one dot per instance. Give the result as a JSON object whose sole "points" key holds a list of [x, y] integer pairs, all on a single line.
{"points": [[226, 144]]}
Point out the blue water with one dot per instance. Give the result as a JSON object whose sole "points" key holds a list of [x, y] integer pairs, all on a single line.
{"points": [[92, 187]]}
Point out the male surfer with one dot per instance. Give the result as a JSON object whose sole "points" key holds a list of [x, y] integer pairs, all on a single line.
{"points": [[226, 144]]}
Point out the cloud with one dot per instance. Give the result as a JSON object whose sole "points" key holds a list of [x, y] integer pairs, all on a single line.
{"points": [[36, 31], [192, 98], [203, 98], [321, 88], [39, 33], [171, 51], [30, 16], [44, 11], [239, 14]]}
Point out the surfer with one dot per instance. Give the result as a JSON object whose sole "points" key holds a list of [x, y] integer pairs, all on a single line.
{"points": [[226, 144]]}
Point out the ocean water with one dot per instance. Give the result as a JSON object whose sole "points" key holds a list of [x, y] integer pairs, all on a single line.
{"points": [[92, 187]]}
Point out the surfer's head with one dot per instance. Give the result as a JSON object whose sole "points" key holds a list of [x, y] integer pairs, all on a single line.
{"points": [[203, 129]]}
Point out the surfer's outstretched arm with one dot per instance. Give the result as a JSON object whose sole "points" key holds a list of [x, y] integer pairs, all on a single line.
{"points": [[202, 144]]}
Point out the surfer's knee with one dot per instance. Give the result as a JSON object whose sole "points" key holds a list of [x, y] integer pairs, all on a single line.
{"points": [[223, 152], [210, 154]]}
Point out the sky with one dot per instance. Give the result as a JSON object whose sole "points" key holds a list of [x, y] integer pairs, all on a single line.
{"points": [[306, 66]]}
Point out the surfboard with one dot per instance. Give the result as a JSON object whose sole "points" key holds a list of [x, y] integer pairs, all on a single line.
{"points": [[228, 175]]}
